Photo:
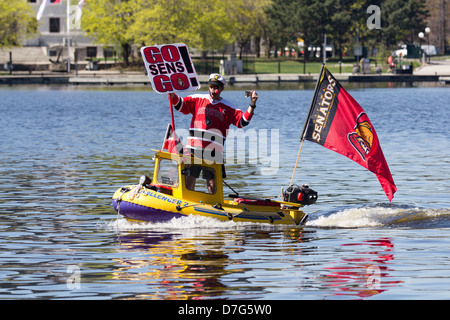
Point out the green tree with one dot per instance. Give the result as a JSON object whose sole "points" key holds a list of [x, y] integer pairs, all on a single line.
{"points": [[313, 21], [249, 18], [17, 22], [281, 23], [260, 27], [108, 23], [214, 27], [358, 32], [341, 21], [402, 20], [203, 25]]}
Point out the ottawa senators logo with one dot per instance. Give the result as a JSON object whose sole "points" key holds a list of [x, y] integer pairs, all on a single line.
{"points": [[362, 138], [180, 82]]}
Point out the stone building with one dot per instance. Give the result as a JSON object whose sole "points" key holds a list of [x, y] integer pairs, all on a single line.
{"points": [[49, 48]]}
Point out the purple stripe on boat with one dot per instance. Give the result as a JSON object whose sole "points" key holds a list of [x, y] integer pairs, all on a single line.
{"points": [[138, 212]]}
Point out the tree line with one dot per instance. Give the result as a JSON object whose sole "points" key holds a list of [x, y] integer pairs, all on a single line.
{"points": [[211, 25], [345, 22]]}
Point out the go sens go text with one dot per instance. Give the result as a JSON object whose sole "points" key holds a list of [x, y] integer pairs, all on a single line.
{"points": [[170, 68]]}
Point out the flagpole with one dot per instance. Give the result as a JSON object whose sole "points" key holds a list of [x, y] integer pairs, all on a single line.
{"points": [[311, 108], [68, 35], [174, 135], [171, 114], [296, 163]]}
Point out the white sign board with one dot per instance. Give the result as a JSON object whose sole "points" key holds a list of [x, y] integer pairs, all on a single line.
{"points": [[170, 68], [357, 51]]}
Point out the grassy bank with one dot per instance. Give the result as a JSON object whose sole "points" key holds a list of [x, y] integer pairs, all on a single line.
{"points": [[253, 65], [286, 66], [292, 66]]}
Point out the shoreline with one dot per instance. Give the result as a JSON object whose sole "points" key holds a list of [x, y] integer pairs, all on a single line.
{"points": [[438, 72], [106, 78]]}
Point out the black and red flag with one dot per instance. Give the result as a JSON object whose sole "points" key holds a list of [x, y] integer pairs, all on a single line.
{"points": [[337, 122]]}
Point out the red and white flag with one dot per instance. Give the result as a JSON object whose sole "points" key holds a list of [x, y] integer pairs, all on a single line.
{"points": [[171, 142], [42, 7]]}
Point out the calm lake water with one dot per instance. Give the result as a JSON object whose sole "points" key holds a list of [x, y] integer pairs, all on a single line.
{"points": [[65, 150]]}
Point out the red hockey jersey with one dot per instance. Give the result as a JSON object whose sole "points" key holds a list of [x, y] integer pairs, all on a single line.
{"points": [[211, 120]]}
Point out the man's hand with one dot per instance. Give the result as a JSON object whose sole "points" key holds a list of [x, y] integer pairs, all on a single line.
{"points": [[174, 99], [254, 97]]}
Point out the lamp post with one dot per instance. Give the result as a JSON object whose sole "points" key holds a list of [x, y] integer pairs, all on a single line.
{"points": [[427, 31], [421, 35]]}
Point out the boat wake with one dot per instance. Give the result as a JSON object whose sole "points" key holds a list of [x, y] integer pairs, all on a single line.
{"points": [[189, 223], [378, 215], [382, 215]]}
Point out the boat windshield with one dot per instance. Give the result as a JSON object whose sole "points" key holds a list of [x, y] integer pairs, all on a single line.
{"points": [[168, 172], [200, 178]]}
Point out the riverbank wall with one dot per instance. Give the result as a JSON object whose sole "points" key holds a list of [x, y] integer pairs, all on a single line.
{"points": [[106, 78]]}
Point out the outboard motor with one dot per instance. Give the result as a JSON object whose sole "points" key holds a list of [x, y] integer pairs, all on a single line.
{"points": [[144, 181], [303, 194]]}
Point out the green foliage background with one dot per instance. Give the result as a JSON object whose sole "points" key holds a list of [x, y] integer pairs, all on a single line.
{"points": [[210, 25]]}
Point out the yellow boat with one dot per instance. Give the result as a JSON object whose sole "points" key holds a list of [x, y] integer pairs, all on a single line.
{"points": [[184, 185]]}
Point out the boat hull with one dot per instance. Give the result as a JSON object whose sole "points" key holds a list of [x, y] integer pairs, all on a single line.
{"points": [[152, 206], [139, 212]]}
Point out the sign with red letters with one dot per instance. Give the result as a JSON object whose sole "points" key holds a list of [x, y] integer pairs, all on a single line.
{"points": [[170, 68]]}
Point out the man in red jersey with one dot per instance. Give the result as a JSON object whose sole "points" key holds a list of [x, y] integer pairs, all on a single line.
{"points": [[211, 117]]}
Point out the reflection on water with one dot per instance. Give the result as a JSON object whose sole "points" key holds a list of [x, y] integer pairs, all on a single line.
{"points": [[366, 275], [196, 268], [250, 263]]}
